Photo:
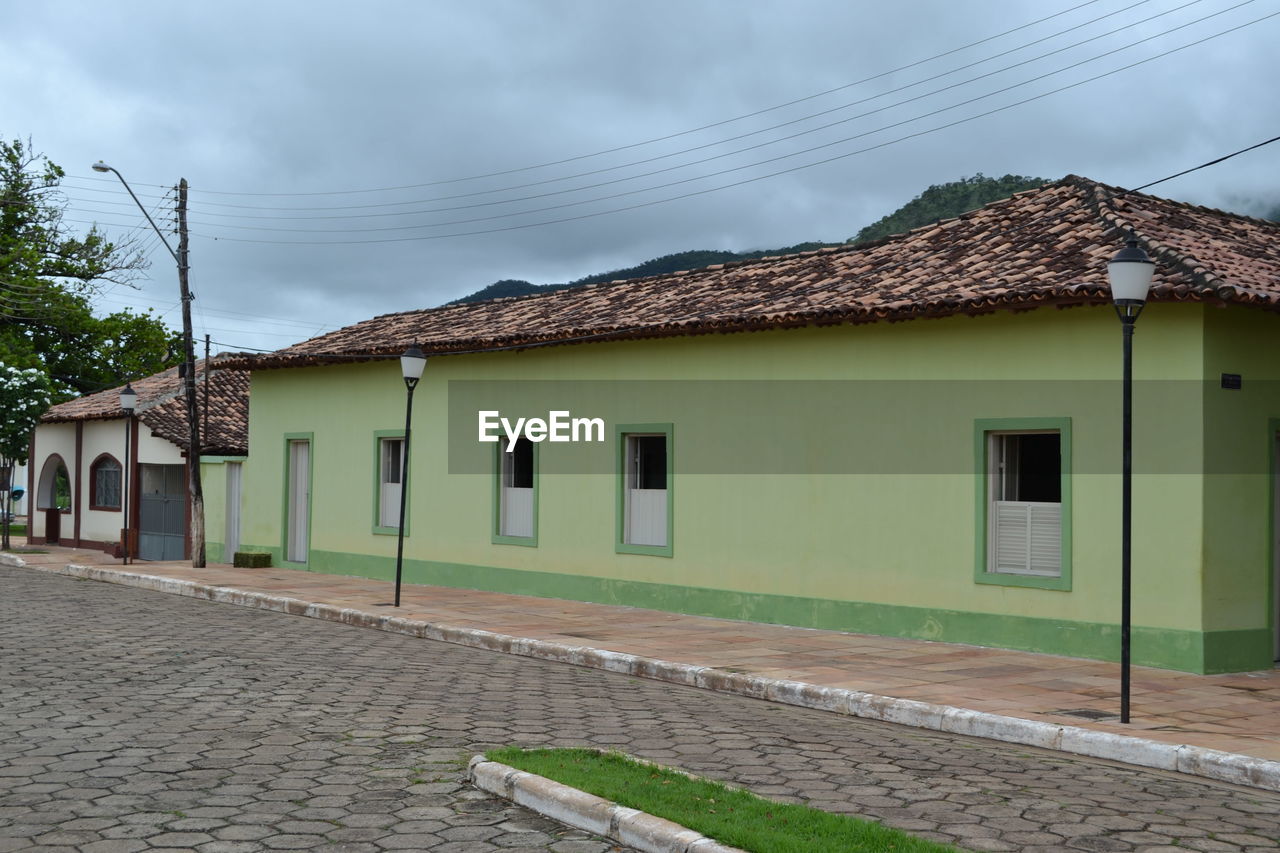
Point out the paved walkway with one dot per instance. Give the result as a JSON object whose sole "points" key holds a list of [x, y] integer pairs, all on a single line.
{"points": [[134, 721], [1237, 713]]}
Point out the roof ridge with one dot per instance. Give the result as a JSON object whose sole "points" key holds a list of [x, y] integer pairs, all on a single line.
{"points": [[1197, 271]]}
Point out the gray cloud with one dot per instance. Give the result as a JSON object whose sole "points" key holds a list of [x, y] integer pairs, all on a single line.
{"points": [[321, 97]]}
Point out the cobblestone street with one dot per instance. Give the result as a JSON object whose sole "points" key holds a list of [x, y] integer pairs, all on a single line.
{"points": [[132, 720]]}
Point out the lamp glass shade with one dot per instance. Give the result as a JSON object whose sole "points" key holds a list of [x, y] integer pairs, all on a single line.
{"points": [[1130, 273], [128, 398], [101, 167], [412, 364]]}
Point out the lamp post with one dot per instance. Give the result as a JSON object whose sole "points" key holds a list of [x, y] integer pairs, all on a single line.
{"points": [[1129, 274], [411, 365], [128, 402], [195, 491]]}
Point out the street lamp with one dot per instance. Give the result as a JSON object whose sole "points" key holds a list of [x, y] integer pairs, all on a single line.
{"points": [[195, 491], [1129, 274], [411, 364], [128, 402]]}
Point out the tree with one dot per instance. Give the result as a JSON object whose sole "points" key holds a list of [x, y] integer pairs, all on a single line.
{"points": [[48, 278], [24, 395], [943, 201]]}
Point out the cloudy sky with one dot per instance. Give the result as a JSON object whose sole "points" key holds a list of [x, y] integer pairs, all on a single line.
{"points": [[348, 160]]}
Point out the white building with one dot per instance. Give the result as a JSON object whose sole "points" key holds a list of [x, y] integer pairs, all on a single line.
{"points": [[78, 459]]}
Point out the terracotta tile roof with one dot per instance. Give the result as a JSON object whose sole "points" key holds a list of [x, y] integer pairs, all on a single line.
{"points": [[1045, 246], [162, 407]]}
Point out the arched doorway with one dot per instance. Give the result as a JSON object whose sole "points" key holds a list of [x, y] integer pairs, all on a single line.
{"points": [[53, 496]]}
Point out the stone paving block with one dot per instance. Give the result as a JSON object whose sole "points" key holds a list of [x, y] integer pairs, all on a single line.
{"points": [[282, 699]]}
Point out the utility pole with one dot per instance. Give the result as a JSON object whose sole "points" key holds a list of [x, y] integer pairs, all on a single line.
{"points": [[195, 492]]}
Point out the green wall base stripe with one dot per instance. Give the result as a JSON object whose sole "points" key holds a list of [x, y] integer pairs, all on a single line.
{"points": [[1166, 648]]}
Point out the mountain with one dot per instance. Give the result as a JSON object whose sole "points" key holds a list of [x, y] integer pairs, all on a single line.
{"points": [[943, 201], [940, 201], [690, 260]]}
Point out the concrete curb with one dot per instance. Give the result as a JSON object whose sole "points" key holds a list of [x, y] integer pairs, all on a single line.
{"points": [[12, 560], [585, 811], [1183, 758]]}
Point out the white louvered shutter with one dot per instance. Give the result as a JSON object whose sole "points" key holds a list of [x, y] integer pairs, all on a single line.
{"points": [[1026, 537]]}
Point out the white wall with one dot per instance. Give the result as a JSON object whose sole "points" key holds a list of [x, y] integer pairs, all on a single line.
{"points": [[50, 439], [97, 438]]}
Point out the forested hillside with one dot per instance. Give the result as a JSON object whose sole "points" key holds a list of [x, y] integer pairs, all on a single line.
{"points": [[940, 201], [943, 201]]}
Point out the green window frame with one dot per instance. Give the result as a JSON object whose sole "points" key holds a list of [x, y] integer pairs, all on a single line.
{"points": [[983, 429], [622, 435], [380, 529], [496, 534]]}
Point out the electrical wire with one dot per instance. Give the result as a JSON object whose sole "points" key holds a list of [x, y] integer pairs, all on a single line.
{"points": [[666, 137], [652, 173], [744, 181], [720, 142], [1041, 220]]}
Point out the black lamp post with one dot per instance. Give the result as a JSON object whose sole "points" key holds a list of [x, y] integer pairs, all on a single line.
{"points": [[128, 402], [411, 365], [1129, 274]]}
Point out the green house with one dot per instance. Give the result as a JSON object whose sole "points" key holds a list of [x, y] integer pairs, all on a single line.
{"points": [[918, 438]]}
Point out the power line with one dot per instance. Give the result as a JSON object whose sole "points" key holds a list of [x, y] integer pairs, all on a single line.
{"points": [[1042, 219], [680, 133], [665, 170], [707, 145], [744, 181], [720, 142]]}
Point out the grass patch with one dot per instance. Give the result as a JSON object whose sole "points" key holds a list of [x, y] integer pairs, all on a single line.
{"points": [[729, 815]]}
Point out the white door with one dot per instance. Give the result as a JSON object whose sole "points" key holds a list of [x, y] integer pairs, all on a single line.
{"points": [[299, 500], [232, 538]]}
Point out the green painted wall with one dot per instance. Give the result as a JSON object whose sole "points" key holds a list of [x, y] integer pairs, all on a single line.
{"points": [[213, 483], [891, 533], [1239, 426]]}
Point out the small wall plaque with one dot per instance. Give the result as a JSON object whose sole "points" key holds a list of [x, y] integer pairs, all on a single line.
{"points": [[1232, 381]]}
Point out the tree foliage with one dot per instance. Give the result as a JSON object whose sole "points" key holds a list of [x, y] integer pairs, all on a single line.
{"points": [[48, 278], [943, 201], [24, 395], [691, 260]]}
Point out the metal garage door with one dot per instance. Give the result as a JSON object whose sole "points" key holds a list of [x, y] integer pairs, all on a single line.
{"points": [[162, 515]]}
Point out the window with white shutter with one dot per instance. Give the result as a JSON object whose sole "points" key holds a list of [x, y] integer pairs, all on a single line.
{"points": [[1024, 495], [645, 510], [516, 499], [1026, 503], [389, 482]]}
